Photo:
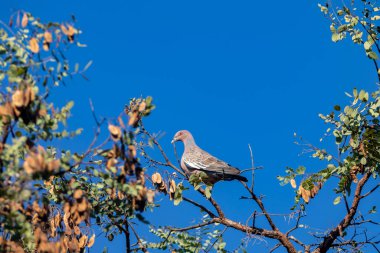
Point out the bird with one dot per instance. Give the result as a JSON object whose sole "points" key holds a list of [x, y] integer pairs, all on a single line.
{"points": [[195, 160]]}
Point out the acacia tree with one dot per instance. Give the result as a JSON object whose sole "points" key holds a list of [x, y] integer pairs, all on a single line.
{"points": [[53, 200], [50, 197]]}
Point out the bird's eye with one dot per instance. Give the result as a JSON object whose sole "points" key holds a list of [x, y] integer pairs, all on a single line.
{"points": [[180, 133]]}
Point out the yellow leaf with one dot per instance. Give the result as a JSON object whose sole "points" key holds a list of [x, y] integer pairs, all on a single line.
{"points": [[34, 47], [293, 183]]}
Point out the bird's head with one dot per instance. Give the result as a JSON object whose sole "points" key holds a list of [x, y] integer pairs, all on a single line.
{"points": [[183, 136]]}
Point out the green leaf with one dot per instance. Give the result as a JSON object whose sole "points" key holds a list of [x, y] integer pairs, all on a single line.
{"points": [[337, 200], [372, 55], [177, 201], [208, 192], [87, 66], [373, 210], [148, 100], [367, 45], [335, 37], [342, 28], [363, 96], [300, 170]]}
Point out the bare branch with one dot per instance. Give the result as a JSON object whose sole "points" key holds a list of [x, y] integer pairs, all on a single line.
{"points": [[213, 202], [203, 224], [166, 158], [261, 205], [253, 167], [203, 208], [141, 245], [371, 191]]}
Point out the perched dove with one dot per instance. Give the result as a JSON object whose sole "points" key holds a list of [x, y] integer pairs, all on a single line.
{"points": [[194, 159]]}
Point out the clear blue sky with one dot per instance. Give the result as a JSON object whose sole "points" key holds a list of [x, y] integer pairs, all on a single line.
{"points": [[231, 72]]}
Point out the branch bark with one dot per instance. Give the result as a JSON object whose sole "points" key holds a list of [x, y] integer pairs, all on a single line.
{"points": [[331, 237]]}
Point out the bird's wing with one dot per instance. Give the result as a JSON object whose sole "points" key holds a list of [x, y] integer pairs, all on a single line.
{"points": [[201, 160]]}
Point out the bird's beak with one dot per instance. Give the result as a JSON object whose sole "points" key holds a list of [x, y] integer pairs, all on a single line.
{"points": [[174, 140]]}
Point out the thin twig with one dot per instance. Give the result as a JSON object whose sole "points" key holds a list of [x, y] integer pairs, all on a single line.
{"points": [[253, 167], [203, 208], [141, 245], [261, 205], [212, 221], [166, 158]]}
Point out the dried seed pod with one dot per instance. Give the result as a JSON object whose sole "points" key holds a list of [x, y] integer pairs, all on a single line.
{"points": [[48, 37], [156, 178], [113, 193], [69, 32], [24, 21], [142, 106], [6, 111], [304, 193], [76, 230], [133, 119], [111, 163], [172, 188], [82, 241], [18, 98], [150, 196], [34, 47], [54, 165], [353, 172], [91, 241], [120, 195], [78, 194], [314, 191], [132, 151], [115, 132], [82, 206], [162, 187]]}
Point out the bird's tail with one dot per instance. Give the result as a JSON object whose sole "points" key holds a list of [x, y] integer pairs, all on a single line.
{"points": [[238, 177]]}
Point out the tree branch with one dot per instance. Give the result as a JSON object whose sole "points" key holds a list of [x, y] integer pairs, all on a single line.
{"points": [[203, 224], [213, 202], [261, 205], [203, 208], [166, 158], [329, 240], [141, 246], [371, 191]]}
